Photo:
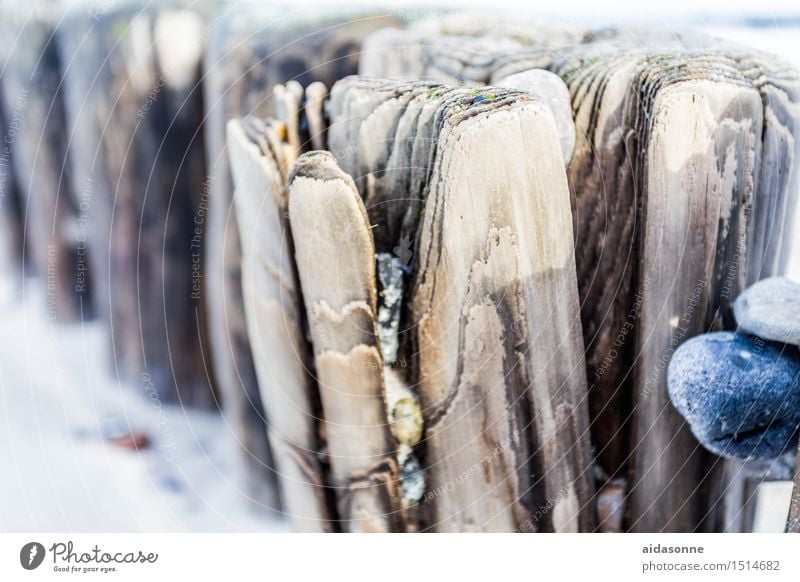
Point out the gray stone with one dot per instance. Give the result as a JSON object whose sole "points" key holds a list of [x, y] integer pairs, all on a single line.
{"points": [[740, 394], [770, 309]]}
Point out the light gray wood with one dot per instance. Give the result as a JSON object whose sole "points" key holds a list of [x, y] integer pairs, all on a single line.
{"points": [[498, 270], [699, 161], [249, 50], [793, 521], [433, 152], [275, 320], [335, 258], [614, 77]]}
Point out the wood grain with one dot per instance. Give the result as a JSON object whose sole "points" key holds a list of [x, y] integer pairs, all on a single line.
{"points": [[335, 257], [275, 322]]}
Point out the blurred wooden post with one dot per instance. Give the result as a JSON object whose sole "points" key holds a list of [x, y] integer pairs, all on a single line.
{"points": [[32, 100], [139, 156]]}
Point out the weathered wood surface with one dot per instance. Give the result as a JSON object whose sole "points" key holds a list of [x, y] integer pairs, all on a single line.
{"points": [[699, 162], [505, 446], [32, 100], [615, 78], [499, 283], [276, 319], [335, 257], [249, 51], [687, 277], [145, 173], [457, 47]]}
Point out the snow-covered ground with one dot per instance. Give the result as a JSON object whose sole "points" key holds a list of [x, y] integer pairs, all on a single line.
{"points": [[58, 474]]}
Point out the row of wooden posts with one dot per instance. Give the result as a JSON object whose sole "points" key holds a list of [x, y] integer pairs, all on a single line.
{"points": [[515, 381]]}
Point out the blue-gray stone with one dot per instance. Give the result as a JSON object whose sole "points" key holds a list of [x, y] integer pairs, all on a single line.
{"points": [[740, 394], [770, 309]]}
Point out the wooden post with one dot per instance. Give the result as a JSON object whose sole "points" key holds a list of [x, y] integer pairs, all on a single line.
{"points": [[505, 443], [249, 51], [634, 282], [32, 101], [276, 319], [146, 172], [506, 282], [87, 103], [335, 256], [690, 184], [458, 47]]}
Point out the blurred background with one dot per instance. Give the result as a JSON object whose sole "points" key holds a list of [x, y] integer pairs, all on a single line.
{"points": [[90, 440]]}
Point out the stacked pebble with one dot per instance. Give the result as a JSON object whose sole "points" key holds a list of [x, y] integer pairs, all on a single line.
{"points": [[740, 391]]}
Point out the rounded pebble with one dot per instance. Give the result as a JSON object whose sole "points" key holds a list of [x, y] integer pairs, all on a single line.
{"points": [[770, 309], [740, 394], [407, 421]]}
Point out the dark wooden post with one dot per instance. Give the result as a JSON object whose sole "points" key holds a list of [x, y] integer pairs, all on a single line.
{"points": [[139, 153], [11, 227]]}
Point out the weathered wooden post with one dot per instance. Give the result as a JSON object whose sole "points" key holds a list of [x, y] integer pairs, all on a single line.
{"points": [[647, 279], [32, 101], [139, 148], [249, 51], [275, 321], [476, 314]]}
